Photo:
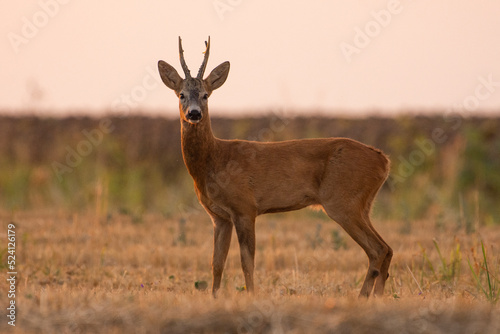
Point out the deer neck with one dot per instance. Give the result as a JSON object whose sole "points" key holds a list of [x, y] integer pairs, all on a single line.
{"points": [[198, 144]]}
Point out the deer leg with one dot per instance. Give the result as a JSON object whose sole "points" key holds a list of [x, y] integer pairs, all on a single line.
{"points": [[245, 230], [384, 274], [375, 248], [384, 269], [222, 240]]}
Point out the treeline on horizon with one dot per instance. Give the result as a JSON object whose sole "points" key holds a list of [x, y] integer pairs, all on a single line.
{"points": [[445, 168]]}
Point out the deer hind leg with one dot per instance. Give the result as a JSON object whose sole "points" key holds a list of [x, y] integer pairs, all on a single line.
{"points": [[384, 269], [222, 240], [245, 230], [358, 226]]}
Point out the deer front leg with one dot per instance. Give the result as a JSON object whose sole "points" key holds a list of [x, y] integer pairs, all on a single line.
{"points": [[245, 230], [222, 240]]}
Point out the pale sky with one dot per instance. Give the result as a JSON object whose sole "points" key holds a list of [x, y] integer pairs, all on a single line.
{"points": [[349, 57]]}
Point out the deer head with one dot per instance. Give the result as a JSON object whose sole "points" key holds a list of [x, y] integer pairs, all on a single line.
{"points": [[192, 92]]}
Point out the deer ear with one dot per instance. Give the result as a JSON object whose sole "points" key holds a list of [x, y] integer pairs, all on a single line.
{"points": [[218, 76], [169, 76]]}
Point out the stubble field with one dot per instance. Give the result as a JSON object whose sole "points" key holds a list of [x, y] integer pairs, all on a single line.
{"points": [[85, 273]]}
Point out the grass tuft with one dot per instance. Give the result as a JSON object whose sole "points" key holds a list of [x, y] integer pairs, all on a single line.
{"points": [[490, 288]]}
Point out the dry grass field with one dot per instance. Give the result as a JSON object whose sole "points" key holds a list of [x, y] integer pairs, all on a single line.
{"points": [[88, 273], [114, 241]]}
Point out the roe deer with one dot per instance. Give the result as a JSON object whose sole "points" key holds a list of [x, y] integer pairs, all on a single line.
{"points": [[237, 180]]}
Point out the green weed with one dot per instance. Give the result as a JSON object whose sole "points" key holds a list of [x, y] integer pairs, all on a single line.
{"points": [[490, 289], [449, 269]]}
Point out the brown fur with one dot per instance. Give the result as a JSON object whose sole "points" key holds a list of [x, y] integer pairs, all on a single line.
{"points": [[237, 180]]}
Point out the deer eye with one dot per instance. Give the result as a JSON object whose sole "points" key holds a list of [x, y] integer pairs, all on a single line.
{"points": [[205, 97], [181, 96]]}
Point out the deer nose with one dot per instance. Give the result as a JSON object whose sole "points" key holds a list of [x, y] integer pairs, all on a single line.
{"points": [[194, 114]]}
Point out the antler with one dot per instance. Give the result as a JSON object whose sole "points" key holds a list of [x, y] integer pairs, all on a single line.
{"points": [[205, 60], [183, 62]]}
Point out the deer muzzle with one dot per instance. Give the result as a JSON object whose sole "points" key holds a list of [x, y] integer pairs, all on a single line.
{"points": [[194, 115]]}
